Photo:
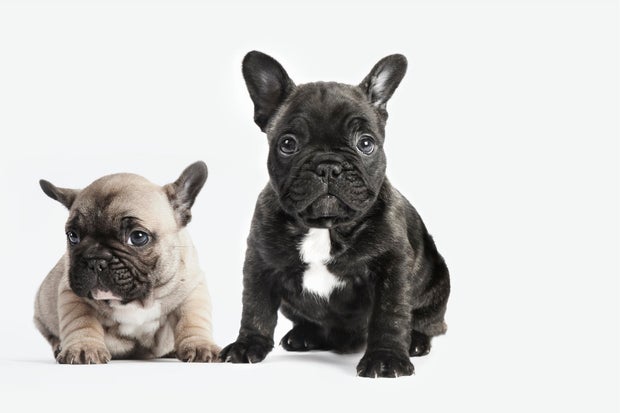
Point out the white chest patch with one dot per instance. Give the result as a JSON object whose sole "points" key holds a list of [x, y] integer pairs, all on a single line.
{"points": [[135, 320], [314, 251]]}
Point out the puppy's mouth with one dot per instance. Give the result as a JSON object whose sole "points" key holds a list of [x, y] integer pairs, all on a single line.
{"points": [[326, 211], [101, 295]]}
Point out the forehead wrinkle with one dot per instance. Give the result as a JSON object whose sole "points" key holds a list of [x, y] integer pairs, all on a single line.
{"points": [[133, 221], [298, 122], [128, 216], [325, 102], [318, 99], [151, 207], [335, 125], [151, 210], [75, 219]]}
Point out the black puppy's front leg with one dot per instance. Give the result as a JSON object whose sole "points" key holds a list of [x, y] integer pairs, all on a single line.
{"points": [[260, 313], [389, 330]]}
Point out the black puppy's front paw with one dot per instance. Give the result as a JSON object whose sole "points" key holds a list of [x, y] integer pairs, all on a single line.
{"points": [[246, 351], [303, 337], [384, 363]]}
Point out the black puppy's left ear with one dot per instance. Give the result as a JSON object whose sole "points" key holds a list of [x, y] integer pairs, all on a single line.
{"points": [[183, 192], [384, 78]]}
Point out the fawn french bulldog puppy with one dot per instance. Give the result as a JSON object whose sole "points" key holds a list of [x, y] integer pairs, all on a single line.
{"points": [[129, 284]]}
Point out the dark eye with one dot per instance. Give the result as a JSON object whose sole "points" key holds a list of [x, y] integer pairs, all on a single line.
{"points": [[73, 238], [287, 145], [366, 144], [138, 238]]}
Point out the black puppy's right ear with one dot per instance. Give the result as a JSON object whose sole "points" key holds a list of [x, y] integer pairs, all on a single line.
{"points": [[384, 78], [65, 196], [268, 84]]}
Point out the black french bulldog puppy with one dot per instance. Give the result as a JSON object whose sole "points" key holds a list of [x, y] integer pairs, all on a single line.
{"points": [[333, 245]]}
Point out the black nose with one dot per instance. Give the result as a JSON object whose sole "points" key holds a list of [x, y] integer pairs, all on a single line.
{"points": [[97, 265], [328, 170]]}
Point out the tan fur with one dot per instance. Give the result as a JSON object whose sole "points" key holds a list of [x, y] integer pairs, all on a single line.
{"points": [[176, 316]]}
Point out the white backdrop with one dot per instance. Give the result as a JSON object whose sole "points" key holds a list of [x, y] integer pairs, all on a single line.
{"points": [[503, 134]]}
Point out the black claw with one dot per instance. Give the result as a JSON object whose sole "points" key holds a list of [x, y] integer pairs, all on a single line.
{"points": [[420, 344], [384, 363], [245, 352], [303, 337]]}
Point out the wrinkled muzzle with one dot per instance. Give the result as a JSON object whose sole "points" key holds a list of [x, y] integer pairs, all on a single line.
{"points": [[103, 274], [327, 190]]}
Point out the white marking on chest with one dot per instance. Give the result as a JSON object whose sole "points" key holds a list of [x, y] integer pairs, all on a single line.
{"points": [[314, 251], [135, 320]]}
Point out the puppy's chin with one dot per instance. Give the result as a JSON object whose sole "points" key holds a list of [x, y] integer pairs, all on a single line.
{"points": [[327, 211]]}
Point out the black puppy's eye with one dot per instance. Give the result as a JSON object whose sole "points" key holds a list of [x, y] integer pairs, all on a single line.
{"points": [[366, 144], [287, 145], [138, 238], [73, 238]]}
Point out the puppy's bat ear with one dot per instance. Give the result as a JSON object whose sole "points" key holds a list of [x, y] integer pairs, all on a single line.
{"points": [[383, 79], [268, 84], [182, 192], [65, 196]]}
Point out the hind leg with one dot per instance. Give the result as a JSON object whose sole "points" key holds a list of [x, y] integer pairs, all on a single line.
{"points": [[424, 329], [428, 322], [420, 344], [304, 336], [428, 316]]}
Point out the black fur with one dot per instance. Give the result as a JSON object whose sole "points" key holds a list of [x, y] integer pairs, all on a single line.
{"points": [[396, 285], [268, 85]]}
